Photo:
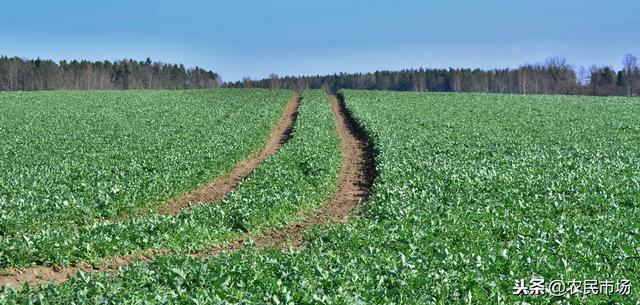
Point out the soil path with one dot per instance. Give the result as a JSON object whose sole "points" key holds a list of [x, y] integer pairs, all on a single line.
{"points": [[354, 186]]}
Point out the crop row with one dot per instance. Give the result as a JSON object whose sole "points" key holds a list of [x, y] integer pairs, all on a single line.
{"points": [[72, 158]]}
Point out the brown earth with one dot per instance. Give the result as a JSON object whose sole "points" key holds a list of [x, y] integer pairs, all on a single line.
{"points": [[354, 186]]}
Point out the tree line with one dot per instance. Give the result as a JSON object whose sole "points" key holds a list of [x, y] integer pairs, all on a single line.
{"points": [[554, 76], [36, 74]]}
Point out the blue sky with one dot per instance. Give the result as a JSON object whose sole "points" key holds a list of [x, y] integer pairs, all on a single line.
{"points": [[258, 37]]}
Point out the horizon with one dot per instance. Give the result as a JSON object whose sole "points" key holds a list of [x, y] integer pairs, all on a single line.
{"points": [[254, 39]]}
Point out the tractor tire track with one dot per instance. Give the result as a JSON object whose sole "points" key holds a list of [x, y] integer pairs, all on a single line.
{"points": [[214, 191], [218, 188], [355, 180], [354, 188]]}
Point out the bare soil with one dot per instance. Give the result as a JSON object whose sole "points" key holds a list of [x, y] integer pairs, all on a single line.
{"points": [[354, 187]]}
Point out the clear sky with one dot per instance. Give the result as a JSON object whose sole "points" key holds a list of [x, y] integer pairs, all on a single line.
{"points": [[293, 37]]}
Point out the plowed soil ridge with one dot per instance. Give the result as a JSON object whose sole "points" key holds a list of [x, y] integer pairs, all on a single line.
{"points": [[354, 187]]}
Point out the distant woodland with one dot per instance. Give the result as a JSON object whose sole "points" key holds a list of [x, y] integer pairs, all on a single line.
{"points": [[37, 74], [553, 76]]}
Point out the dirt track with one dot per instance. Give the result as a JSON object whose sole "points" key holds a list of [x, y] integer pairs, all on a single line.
{"points": [[354, 186], [213, 191]]}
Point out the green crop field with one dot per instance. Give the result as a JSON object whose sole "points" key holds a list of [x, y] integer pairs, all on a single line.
{"points": [[472, 193], [299, 177], [74, 157]]}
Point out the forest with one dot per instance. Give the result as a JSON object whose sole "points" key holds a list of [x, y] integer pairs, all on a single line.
{"points": [[17, 74], [553, 76]]}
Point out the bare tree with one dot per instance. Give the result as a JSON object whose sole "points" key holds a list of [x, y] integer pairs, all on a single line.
{"points": [[522, 79], [13, 74], [456, 80], [274, 81], [558, 69], [583, 76], [630, 64]]}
